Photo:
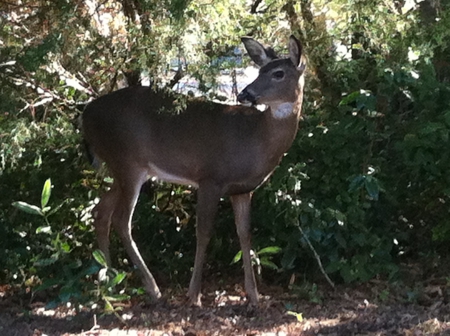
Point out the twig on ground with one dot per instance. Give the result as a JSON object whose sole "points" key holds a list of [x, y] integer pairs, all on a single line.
{"points": [[316, 255]]}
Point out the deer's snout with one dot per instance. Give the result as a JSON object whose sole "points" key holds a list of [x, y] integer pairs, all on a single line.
{"points": [[246, 97]]}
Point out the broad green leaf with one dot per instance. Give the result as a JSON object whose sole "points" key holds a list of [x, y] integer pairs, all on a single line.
{"points": [[270, 250], [118, 279], [100, 258], [108, 179], [269, 264], [108, 306], [46, 191], [349, 98], [237, 257], [28, 208], [65, 247]]}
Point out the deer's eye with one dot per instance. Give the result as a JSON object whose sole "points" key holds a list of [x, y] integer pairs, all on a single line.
{"points": [[278, 74]]}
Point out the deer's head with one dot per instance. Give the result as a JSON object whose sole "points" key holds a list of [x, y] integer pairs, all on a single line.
{"points": [[280, 81]]}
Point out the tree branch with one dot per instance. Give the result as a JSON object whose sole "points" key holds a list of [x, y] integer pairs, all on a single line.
{"points": [[254, 6]]}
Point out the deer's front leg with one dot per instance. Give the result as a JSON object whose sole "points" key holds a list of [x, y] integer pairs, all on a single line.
{"points": [[208, 197], [102, 213], [241, 207]]}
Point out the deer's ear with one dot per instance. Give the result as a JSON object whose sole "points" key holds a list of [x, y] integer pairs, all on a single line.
{"points": [[295, 52], [260, 55]]}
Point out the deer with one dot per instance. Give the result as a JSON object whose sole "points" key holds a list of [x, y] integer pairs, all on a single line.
{"points": [[221, 150]]}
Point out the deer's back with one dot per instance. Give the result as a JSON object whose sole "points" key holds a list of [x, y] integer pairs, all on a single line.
{"points": [[202, 140]]}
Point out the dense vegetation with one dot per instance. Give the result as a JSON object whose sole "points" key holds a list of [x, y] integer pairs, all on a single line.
{"points": [[365, 182]]}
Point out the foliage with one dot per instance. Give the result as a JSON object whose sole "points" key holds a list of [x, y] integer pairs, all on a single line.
{"points": [[71, 280], [261, 258], [366, 177], [108, 279]]}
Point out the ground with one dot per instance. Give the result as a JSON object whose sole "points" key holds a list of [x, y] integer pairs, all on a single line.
{"points": [[375, 308]]}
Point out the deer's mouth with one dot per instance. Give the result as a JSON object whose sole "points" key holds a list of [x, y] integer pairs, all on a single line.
{"points": [[247, 99]]}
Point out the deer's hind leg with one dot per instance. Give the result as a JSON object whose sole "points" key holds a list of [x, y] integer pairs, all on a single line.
{"points": [[241, 207], [127, 195]]}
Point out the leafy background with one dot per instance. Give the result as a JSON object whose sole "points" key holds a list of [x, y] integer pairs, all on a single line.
{"points": [[366, 179]]}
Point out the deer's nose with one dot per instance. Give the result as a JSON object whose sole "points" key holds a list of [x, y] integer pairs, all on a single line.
{"points": [[246, 97]]}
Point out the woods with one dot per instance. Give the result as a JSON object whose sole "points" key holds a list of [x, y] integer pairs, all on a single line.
{"points": [[364, 187]]}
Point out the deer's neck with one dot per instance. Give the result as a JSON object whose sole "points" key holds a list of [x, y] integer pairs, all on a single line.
{"points": [[281, 110], [285, 110]]}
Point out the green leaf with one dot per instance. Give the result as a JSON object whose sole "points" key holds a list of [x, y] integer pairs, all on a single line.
{"points": [[44, 229], [69, 291], [49, 283], [361, 239], [356, 183], [92, 269], [46, 209], [46, 191], [28, 208], [270, 250], [347, 273], [99, 256], [431, 127], [65, 247], [349, 98], [447, 118], [341, 240], [118, 279], [269, 264], [289, 257], [372, 187], [53, 304], [57, 208], [116, 298], [340, 217], [108, 306], [299, 316], [236, 258], [333, 266], [47, 261]]}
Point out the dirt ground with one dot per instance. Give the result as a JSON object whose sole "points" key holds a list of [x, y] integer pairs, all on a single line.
{"points": [[375, 308]]}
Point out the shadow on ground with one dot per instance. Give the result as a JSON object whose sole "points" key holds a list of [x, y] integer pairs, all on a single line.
{"points": [[346, 311]]}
